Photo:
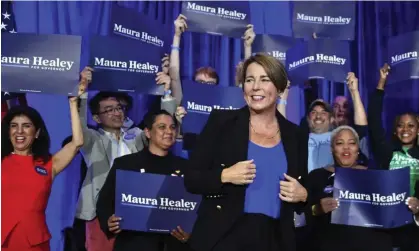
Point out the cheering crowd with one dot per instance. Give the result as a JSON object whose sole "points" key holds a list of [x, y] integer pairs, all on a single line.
{"points": [[260, 175]]}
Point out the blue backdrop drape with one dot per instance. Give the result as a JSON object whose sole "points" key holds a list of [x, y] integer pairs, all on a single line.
{"points": [[375, 22]]}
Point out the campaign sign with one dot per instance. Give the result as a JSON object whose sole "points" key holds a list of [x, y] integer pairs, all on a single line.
{"points": [[225, 18], [200, 99], [131, 24], [51, 63], [327, 19], [319, 59], [403, 57], [372, 198], [124, 65], [274, 45], [154, 203]]}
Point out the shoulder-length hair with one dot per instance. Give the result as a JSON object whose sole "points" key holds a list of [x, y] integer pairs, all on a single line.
{"points": [[41, 145]]}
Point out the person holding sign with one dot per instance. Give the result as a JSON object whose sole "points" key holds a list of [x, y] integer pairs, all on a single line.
{"points": [[324, 235], [401, 151], [203, 75], [28, 170], [247, 168], [100, 149], [160, 129]]}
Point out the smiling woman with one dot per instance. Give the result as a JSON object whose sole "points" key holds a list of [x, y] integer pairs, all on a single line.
{"points": [[28, 170], [326, 236], [246, 167]]}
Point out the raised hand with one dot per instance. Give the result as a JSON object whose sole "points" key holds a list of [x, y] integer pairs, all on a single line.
{"points": [[162, 78], [384, 71], [241, 173], [180, 25], [352, 82], [249, 35], [284, 95], [290, 190], [85, 79]]}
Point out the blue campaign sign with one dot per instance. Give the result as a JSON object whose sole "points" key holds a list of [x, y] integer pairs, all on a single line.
{"points": [[153, 202], [319, 59], [200, 99], [403, 57], [274, 45], [125, 65], [372, 198], [331, 19], [131, 24], [227, 18], [40, 63]]}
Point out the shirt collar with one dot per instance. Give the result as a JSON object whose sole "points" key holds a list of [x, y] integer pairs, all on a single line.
{"points": [[111, 135]]}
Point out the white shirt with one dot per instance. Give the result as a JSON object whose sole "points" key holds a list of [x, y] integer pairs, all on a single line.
{"points": [[119, 147]]}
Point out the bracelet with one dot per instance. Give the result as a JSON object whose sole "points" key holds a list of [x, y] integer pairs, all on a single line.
{"points": [[167, 92], [175, 48], [281, 102]]}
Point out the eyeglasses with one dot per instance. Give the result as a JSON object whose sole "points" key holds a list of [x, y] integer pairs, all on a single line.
{"points": [[113, 110], [206, 82]]}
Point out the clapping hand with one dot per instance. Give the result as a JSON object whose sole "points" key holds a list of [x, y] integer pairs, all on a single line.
{"points": [[179, 234], [291, 190]]}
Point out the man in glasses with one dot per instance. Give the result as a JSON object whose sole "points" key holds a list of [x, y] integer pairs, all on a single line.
{"points": [[101, 147]]}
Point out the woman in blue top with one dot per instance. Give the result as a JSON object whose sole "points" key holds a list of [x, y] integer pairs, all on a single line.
{"points": [[247, 167]]}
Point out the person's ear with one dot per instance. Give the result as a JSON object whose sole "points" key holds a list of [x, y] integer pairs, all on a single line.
{"points": [[147, 133]]}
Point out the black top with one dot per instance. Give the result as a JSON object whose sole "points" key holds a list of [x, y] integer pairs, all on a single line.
{"points": [[132, 240], [222, 143], [383, 149], [327, 236]]}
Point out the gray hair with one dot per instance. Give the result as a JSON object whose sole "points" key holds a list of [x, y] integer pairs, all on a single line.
{"points": [[336, 131]]}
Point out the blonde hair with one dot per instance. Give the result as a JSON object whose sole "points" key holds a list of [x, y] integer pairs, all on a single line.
{"points": [[336, 131]]}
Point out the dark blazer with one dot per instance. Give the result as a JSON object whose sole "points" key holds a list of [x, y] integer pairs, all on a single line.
{"points": [[132, 240], [222, 143]]}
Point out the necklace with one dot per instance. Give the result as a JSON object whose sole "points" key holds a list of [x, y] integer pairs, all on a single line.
{"points": [[251, 126]]}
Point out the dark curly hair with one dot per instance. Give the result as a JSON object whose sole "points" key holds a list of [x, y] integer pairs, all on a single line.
{"points": [[40, 147]]}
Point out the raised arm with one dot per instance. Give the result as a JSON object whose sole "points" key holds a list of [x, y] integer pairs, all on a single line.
{"points": [[174, 68], [282, 103], [381, 147], [63, 157], [360, 116], [248, 38]]}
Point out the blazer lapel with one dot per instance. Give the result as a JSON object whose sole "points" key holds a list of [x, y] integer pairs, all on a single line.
{"points": [[107, 146], [290, 142], [241, 134]]}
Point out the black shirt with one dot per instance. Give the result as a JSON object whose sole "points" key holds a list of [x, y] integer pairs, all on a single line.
{"points": [[327, 236], [132, 240]]}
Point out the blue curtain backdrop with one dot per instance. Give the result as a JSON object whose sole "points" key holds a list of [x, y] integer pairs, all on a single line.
{"points": [[376, 21]]}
